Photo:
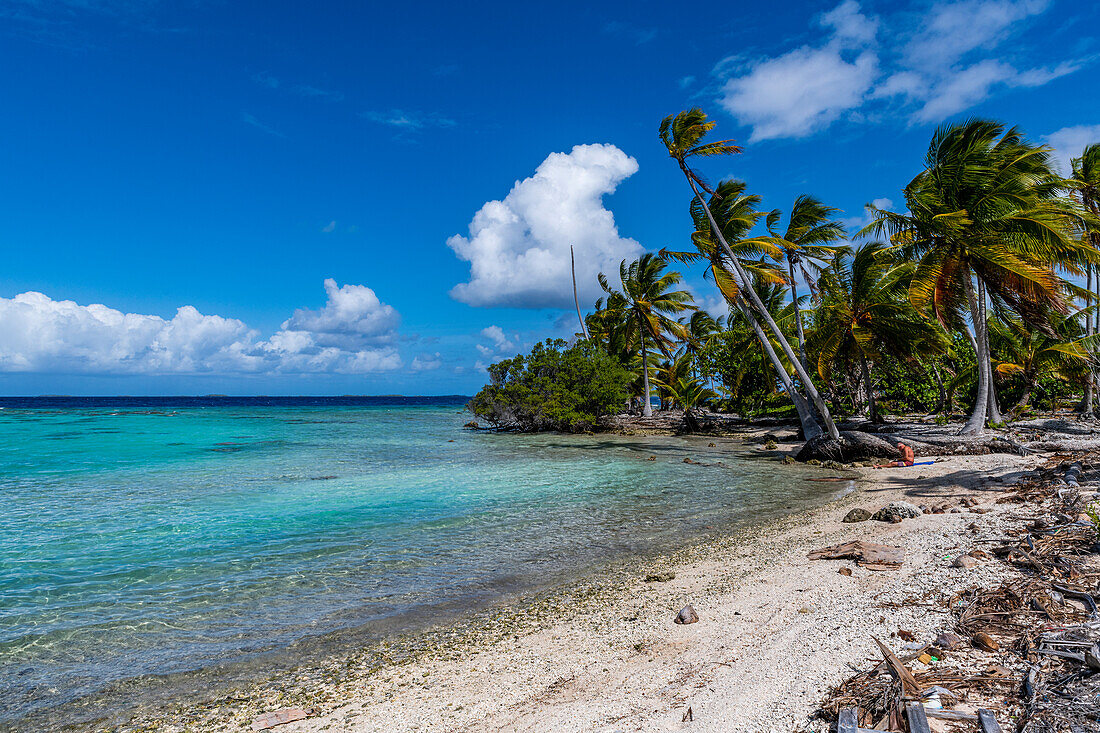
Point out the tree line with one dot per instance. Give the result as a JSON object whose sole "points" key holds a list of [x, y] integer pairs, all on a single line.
{"points": [[982, 295]]}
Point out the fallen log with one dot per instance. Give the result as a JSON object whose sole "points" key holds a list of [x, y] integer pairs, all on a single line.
{"points": [[866, 554]]}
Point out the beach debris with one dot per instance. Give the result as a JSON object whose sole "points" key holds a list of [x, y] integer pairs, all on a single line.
{"points": [[966, 562], [280, 717], [686, 615], [983, 640], [688, 716], [771, 445], [866, 554], [652, 458], [948, 640], [661, 576], [710, 445], [846, 572], [688, 460], [472, 425], [899, 671], [896, 511]]}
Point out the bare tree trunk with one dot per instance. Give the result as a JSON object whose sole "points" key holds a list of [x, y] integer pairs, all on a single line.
{"points": [[745, 284], [976, 422], [810, 428]]}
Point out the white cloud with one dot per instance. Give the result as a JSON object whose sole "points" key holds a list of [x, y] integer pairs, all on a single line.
{"points": [[800, 92], [849, 24], [518, 248], [497, 336], [39, 334], [329, 228], [949, 62], [1069, 142], [352, 315], [953, 29], [807, 89]]}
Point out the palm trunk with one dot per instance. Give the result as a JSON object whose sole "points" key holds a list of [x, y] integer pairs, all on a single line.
{"points": [[943, 393], [976, 423], [1029, 386], [647, 406], [576, 301], [810, 428], [745, 284], [872, 408], [1090, 379], [798, 318], [993, 410]]}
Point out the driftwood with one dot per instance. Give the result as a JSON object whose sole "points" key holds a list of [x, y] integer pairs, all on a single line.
{"points": [[866, 554], [900, 673]]}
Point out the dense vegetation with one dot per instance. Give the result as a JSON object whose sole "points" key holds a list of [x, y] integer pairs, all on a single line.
{"points": [[555, 387], [980, 296]]}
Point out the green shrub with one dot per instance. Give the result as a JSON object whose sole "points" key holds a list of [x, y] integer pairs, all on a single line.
{"points": [[553, 388]]}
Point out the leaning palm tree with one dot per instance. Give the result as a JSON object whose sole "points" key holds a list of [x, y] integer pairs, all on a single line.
{"points": [[864, 314], [650, 302], [735, 213], [682, 135], [985, 218], [808, 247]]}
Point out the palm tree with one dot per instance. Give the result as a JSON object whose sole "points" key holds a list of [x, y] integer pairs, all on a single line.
{"points": [[1085, 181], [807, 246], [864, 313], [985, 217], [1030, 354], [735, 213], [649, 301], [682, 135], [684, 390], [700, 328]]}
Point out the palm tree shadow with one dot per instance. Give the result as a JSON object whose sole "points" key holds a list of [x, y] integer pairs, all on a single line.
{"points": [[955, 485]]}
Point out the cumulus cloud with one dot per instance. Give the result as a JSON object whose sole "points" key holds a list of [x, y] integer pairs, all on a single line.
{"points": [[949, 61], [1070, 142], [518, 248], [807, 89], [497, 336], [353, 315], [347, 335]]}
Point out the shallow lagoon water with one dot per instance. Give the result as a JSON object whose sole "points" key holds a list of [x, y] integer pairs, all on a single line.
{"points": [[143, 537]]}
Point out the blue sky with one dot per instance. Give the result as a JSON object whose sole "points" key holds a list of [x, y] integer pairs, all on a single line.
{"points": [[331, 198]]}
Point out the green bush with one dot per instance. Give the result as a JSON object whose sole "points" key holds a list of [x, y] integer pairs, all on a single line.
{"points": [[553, 388]]}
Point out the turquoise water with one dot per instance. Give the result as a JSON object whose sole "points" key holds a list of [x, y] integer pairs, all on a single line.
{"points": [[141, 541]]}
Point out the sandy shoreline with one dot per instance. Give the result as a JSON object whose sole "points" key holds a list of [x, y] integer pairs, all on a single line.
{"points": [[776, 631], [603, 654]]}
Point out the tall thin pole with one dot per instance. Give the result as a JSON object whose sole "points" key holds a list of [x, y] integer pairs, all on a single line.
{"points": [[576, 301]]}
